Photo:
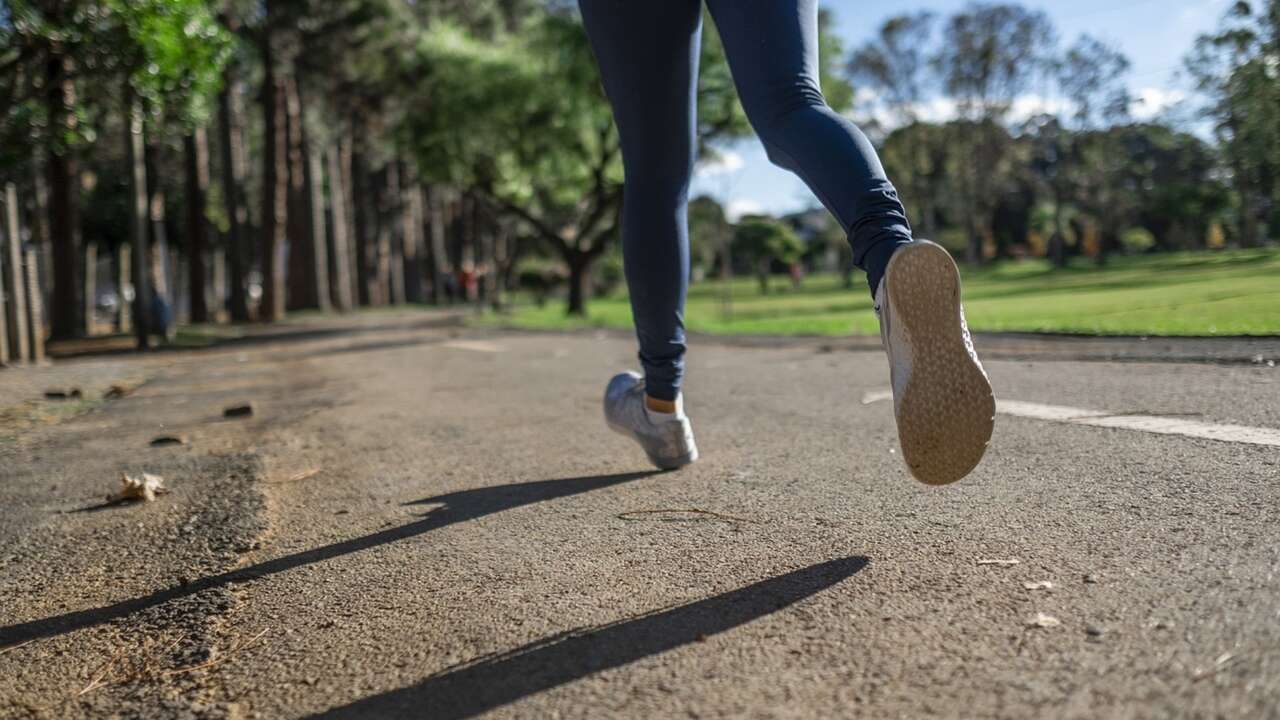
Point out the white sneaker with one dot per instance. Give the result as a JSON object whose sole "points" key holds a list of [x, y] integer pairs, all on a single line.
{"points": [[942, 398], [668, 441]]}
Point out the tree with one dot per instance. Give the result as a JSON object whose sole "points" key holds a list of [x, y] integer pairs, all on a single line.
{"points": [[541, 147], [763, 241], [1238, 70], [709, 233], [989, 55], [894, 64]]}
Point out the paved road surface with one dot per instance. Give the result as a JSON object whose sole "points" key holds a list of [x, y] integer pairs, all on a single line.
{"points": [[424, 522]]}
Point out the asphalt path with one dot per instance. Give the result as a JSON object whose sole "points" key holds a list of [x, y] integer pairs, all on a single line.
{"points": [[423, 521]]}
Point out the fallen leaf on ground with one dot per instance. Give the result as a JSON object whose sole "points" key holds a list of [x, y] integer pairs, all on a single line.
{"points": [[144, 487], [999, 562], [1041, 585], [1040, 620], [238, 411], [117, 391], [164, 440]]}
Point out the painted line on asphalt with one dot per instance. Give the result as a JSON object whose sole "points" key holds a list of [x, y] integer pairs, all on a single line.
{"points": [[474, 346], [1158, 424]]}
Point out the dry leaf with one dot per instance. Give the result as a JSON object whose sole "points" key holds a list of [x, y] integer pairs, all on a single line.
{"points": [[1041, 585], [238, 411], [1043, 621], [144, 487], [117, 391]]}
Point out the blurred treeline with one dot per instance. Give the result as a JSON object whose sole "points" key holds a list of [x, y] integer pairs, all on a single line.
{"points": [[230, 160]]}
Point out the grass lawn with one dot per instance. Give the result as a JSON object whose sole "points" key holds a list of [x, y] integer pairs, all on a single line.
{"points": [[1210, 293]]}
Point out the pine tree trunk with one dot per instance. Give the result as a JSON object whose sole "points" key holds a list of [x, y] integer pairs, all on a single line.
{"points": [[90, 290], [64, 221], [364, 241], [341, 287], [157, 229], [302, 280], [124, 279], [15, 278], [196, 149], [275, 178], [135, 159], [319, 244], [232, 150], [440, 265], [414, 250], [40, 227], [35, 307], [390, 242]]}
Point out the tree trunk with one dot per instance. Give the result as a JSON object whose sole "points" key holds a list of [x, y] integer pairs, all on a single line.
{"points": [[64, 220], [318, 240], [413, 250], [341, 251], [90, 291], [35, 308], [1058, 241], [360, 205], [157, 229], [579, 281], [440, 266], [275, 178], [302, 281], [135, 152], [124, 282], [390, 257], [40, 227], [15, 278], [196, 149], [232, 149]]}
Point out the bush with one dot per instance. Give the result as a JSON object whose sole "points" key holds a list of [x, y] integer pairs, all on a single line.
{"points": [[1137, 240]]}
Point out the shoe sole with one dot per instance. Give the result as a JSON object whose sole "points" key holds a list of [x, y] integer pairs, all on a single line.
{"points": [[660, 463], [947, 410]]}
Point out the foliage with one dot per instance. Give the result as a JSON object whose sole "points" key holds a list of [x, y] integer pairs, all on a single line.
{"points": [[763, 241]]}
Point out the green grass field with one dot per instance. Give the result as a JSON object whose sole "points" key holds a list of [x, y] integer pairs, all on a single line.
{"points": [[1215, 293]]}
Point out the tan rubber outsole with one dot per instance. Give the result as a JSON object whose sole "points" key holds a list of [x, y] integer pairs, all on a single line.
{"points": [[947, 410]]}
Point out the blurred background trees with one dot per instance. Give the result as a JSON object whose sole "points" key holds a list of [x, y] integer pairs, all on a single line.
{"points": [[228, 160]]}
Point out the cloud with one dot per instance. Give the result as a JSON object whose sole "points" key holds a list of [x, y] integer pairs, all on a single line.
{"points": [[726, 163], [742, 206], [1151, 101]]}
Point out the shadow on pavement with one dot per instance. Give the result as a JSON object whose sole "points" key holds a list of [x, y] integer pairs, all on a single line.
{"points": [[457, 507], [496, 680]]}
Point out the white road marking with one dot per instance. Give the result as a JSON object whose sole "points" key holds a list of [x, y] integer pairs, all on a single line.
{"points": [[1158, 424], [474, 346]]}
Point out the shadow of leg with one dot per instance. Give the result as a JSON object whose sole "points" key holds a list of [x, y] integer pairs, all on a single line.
{"points": [[493, 681]]}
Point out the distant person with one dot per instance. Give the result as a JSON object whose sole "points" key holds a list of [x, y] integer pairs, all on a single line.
{"points": [[648, 57]]}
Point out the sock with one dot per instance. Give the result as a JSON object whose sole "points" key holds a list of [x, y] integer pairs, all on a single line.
{"points": [[660, 417]]}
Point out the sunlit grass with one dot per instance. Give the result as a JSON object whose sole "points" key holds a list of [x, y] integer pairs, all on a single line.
{"points": [[1219, 293]]}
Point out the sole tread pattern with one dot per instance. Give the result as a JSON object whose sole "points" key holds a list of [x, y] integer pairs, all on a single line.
{"points": [[947, 411]]}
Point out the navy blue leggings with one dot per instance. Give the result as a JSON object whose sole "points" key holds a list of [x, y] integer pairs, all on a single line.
{"points": [[648, 56]]}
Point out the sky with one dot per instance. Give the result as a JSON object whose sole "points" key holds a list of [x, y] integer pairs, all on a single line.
{"points": [[1154, 34]]}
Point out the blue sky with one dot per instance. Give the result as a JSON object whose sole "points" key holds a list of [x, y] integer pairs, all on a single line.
{"points": [[1154, 34]]}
